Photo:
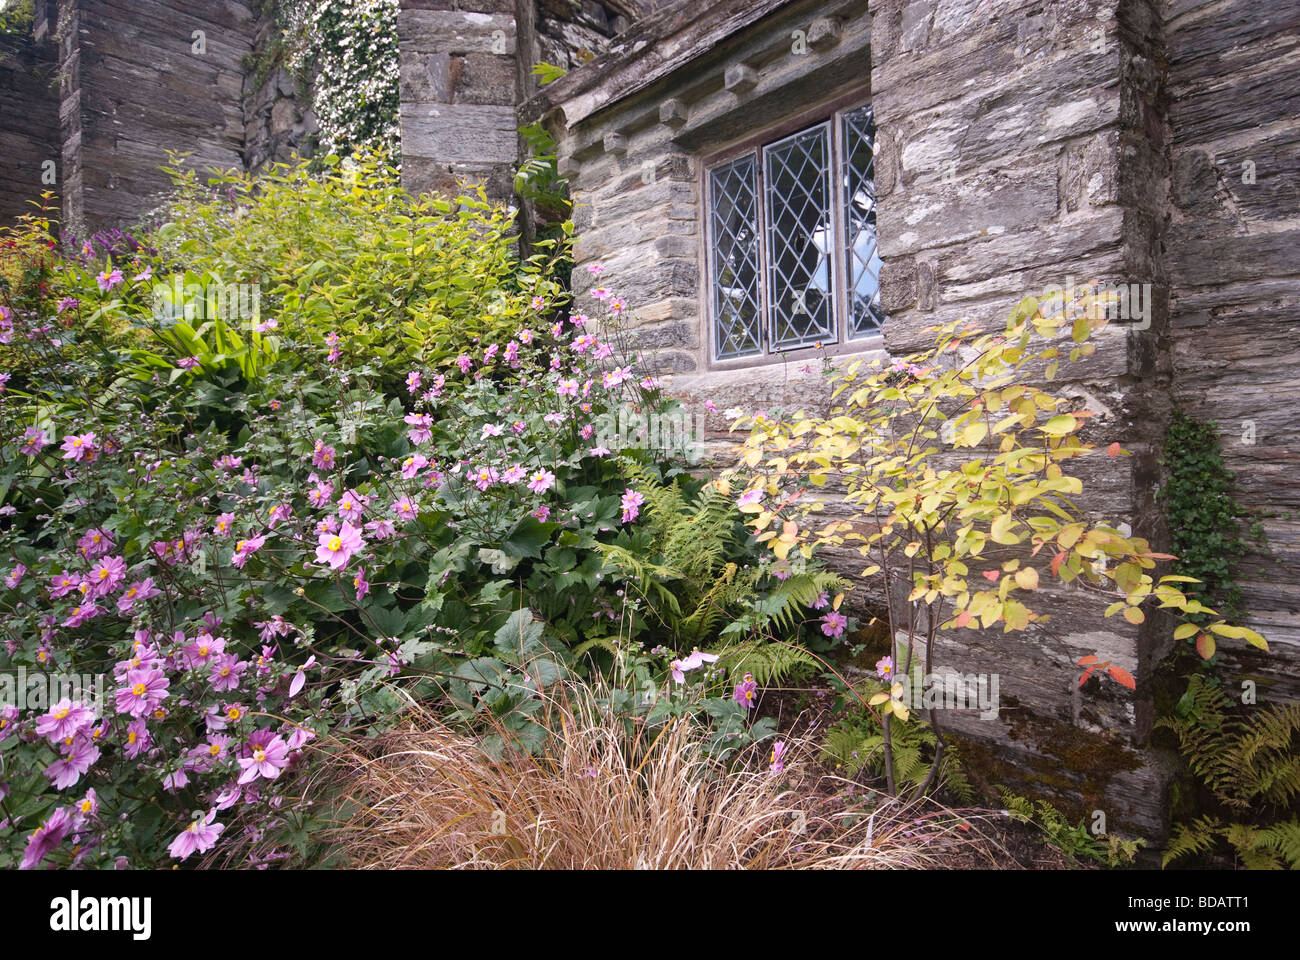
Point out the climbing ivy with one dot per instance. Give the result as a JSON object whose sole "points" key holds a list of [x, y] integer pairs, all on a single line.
{"points": [[1204, 517], [345, 53], [16, 17]]}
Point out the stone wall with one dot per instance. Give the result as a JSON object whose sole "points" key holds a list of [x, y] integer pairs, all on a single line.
{"points": [[466, 64], [1231, 244], [135, 86], [278, 119], [1003, 130], [29, 119]]}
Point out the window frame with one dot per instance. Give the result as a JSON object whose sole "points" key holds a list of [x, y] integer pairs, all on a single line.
{"points": [[829, 112]]}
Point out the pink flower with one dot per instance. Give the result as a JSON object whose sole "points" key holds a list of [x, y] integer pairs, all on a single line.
{"points": [[46, 837], [464, 362], [225, 522], [567, 388], [613, 378], [381, 529], [696, 660], [95, 543], [36, 441], [595, 269], [749, 498], [352, 506], [885, 668], [337, 549], [542, 513], [86, 611], [138, 739], [413, 465], [525, 336], [78, 757], [406, 508], [245, 549], [146, 687], [323, 456], [541, 481], [491, 430], [142, 590], [279, 513], [226, 671], [68, 303], [107, 281], [188, 363], [15, 576], [833, 624], [267, 756], [199, 837], [631, 503], [745, 692], [106, 574], [360, 584], [485, 477], [420, 424], [67, 718], [514, 474], [538, 303], [600, 293], [321, 495], [778, 757], [61, 584], [412, 381], [79, 446]]}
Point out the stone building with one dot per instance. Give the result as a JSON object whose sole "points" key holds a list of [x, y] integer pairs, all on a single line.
{"points": [[762, 176]]}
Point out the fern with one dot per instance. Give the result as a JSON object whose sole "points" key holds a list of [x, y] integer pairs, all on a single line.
{"points": [[770, 663], [858, 744], [1249, 765]]}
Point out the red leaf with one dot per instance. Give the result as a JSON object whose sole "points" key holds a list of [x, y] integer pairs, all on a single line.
{"points": [[1113, 450], [1056, 563], [1086, 674], [963, 618], [1090, 658], [992, 575], [1123, 676]]}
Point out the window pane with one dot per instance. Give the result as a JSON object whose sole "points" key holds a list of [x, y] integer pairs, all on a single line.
{"points": [[736, 312], [799, 237], [866, 315]]}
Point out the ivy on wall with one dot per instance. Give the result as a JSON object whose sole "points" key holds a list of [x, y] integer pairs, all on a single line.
{"points": [[345, 53], [16, 17]]}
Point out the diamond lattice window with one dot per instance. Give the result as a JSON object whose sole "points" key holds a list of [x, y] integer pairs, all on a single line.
{"points": [[792, 231]]}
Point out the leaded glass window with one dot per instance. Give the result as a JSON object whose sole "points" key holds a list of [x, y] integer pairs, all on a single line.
{"points": [[793, 261]]}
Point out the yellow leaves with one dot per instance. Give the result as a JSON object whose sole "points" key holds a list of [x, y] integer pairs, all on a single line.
{"points": [[1134, 615], [1240, 633], [1060, 425], [788, 538], [1070, 535], [1205, 646], [1027, 578], [1185, 630], [973, 435], [893, 701], [1016, 615], [870, 571], [1000, 530]]}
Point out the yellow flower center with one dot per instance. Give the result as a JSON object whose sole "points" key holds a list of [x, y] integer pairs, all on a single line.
{"points": [[132, 737], [103, 573], [233, 713], [131, 592], [239, 546], [259, 755], [214, 749], [138, 689], [85, 806], [203, 651], [76, 441], [346, 505], [335, 544], [224, 671], [60, 714]]}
